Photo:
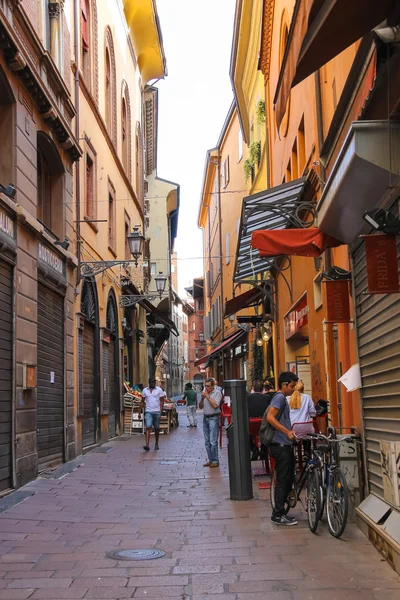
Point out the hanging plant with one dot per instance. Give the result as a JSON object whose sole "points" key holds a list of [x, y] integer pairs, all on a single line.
{"points": [[260, 112], [255, 153], [257, 369], [248, 167]]}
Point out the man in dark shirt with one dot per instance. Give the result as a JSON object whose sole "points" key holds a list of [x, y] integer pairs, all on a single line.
{"points": [[257, 404], [281, 447]]}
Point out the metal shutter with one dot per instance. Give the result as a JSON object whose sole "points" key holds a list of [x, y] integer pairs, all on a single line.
{"points": [[378, 330], [6, 357], [112, 390], [50, 368], [89, 401]]}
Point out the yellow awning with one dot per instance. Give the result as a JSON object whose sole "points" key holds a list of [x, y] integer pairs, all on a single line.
{"points": [[145, 32]]}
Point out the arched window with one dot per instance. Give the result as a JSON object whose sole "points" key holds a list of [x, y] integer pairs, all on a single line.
{"points": [[110, 87], [89, 56], [50, 185], [126, 130]]}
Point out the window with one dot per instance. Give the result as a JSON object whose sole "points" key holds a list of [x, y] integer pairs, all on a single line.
{"points": [[127, 232], [139, 165], [225, 172], [227, 248], [238, 226], [153, 268], [194, 326], [126, 130], [108, 91], [7, 107], [240, 145], [301, 148], [110, 87], [85, 41], [317, 292], [111, 218], [88, 45], [89, 196], [50, 186], [295, 161]]}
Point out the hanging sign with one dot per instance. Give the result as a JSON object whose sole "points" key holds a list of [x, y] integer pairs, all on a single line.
{"points": [[337, 302], [382, 264], [297, 318]]}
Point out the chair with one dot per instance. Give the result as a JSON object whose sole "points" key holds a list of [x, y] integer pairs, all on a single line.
{"points": [[226, 413]]}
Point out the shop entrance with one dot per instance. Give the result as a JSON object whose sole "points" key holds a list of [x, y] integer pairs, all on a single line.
{"points": [[6, 360]]}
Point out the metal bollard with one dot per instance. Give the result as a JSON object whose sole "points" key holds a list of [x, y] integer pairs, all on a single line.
{"points": [[240, 482]]}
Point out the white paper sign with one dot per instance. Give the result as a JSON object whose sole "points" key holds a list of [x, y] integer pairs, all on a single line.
{"points": [[352, 378], [51, 376]]}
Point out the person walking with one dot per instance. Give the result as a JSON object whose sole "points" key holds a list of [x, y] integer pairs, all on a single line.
{"points": [[281, 447], [190, 396], [152, 404], [211, 403]]}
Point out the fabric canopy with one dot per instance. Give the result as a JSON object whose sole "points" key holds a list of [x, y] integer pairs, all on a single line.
{"points": [[245, 300], [223, 344], [293, 242]]}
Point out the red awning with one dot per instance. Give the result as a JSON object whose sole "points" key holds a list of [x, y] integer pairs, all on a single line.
{"points": [[224, 344], [320, 31], [293, 242], [250, 298]]}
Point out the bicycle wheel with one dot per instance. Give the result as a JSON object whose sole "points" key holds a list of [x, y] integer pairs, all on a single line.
{"points": [[313, 499], [337, 503], [272, 493]]}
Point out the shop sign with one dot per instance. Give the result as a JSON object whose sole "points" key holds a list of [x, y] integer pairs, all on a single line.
{"points": [[382, 266], [6, 224], [337, 302], [50, 259], [241, 349], [297, 318]]}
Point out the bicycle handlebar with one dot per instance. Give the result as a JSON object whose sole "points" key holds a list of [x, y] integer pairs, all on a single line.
{"points": [[320, 436]]}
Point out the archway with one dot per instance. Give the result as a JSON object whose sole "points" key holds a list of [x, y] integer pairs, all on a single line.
{"points": [[111, 360]]}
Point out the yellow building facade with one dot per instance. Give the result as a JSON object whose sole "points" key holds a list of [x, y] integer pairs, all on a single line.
{"points": [[117, 51]]}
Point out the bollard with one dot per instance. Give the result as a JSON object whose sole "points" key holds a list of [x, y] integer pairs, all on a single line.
{"points": [[240, 482]]}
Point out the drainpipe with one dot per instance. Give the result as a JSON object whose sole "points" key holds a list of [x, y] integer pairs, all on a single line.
{"points": [[221, 259], [77, 135]]}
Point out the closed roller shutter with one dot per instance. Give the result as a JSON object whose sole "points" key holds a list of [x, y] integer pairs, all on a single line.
{"points": [[50, 376], [378, 330], [89, 401], [112, 390], [5, 376]]}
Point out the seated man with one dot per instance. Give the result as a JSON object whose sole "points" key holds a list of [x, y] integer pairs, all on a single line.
{"points": [[257, 404]]}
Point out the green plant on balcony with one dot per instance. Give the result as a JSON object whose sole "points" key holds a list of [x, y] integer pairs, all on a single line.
{"points": [[260, 112], [255, 153], [248, 167]]}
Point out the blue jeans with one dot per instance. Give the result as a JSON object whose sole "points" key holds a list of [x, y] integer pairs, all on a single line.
{"points": [[211, 429], [152, 419]]}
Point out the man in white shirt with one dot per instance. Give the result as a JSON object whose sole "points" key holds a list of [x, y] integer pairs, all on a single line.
{"points": [[153, 402]]}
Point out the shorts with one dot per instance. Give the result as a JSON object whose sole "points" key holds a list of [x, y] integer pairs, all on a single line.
{"points": [[152, 419]]}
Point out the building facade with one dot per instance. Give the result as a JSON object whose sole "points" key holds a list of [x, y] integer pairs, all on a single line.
{"points": [[38, 275]]}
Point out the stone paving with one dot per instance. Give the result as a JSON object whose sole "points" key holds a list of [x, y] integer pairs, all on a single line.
{"points": [[54, 544]]}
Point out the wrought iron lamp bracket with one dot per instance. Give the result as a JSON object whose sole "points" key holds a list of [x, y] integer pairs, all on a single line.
{"points": [[92, 268]]}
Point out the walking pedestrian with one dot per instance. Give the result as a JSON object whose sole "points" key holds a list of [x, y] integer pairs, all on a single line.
{"points": [[281, 447], [152, 404], [190, 396], [211, 402]]}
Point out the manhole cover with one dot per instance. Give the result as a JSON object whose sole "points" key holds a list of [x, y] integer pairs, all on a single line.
{"points": [[136, 554]]}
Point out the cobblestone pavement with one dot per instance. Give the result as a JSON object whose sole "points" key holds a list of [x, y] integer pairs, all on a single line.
{"points": [[54, 544]]}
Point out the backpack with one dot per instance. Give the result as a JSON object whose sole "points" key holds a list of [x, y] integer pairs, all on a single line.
{"points": [[267, 432]]}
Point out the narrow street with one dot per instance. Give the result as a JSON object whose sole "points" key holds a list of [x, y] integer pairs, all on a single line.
{"points": [[54, 544]]}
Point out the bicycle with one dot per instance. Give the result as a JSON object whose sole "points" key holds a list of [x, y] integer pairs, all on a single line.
{"points": [[334, 489], [310, 476]]}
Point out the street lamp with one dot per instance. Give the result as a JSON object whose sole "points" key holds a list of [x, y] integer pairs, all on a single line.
{"points": [[135, 241], [161, 281], [94, 267], [267, 332], [201, 338]]}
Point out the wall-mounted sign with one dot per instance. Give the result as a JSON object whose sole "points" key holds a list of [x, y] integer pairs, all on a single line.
{"points": [[382, 267], [50, 259], [297, 318], [7, 225], [337, 302]]}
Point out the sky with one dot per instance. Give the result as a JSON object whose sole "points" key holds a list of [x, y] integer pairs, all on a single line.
{"points": [[194, 100]]}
